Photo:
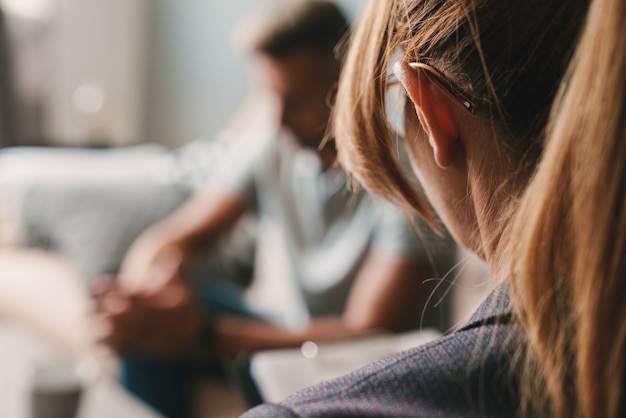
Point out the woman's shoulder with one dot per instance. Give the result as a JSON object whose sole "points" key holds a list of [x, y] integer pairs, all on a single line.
{"points": [[466, 373]]}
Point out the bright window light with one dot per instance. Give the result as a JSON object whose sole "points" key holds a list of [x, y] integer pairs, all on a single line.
{"points": [[29, 9]]}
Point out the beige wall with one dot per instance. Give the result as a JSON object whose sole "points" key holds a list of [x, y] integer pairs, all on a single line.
{"points": [[167, 68], [197, 80], [102, 42]]}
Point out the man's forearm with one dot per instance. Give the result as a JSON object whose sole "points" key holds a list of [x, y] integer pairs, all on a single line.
{"points": [[235, 335], [196, 224]]}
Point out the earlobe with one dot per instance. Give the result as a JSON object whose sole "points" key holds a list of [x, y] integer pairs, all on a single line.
{"points": [[435, 112]]}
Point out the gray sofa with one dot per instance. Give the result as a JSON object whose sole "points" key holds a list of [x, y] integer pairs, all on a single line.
{"points": [[69, 215], [90, 204]]}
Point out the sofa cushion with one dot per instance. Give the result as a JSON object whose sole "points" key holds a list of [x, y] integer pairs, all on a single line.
{"points": [[94, 224]]}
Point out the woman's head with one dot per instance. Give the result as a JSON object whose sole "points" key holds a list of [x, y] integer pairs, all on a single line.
{"points": [[506, 56], [570, 232]]}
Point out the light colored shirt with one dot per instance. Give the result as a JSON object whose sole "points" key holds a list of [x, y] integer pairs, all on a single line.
{"points": [[328, 230]]}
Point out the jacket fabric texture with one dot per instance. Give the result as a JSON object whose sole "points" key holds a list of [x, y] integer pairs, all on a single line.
{"points": [[468, 373]]}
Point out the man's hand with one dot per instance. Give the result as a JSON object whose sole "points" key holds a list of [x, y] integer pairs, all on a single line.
{"points": [[162, 323], [149, 266]]}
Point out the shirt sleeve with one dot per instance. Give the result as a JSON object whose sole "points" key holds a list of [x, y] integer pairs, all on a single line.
{"points": [[239, 166]]}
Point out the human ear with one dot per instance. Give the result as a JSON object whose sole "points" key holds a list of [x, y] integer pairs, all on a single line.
{"points": [[435, 111]]}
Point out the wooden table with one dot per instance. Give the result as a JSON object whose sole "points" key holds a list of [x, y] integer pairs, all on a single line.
{"points": [[21, 348]]}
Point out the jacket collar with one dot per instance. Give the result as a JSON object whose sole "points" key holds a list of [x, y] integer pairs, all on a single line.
{"points": [[497, 308]]}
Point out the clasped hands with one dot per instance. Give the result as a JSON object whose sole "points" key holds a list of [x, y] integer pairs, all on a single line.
{"points": [[159, 320]]}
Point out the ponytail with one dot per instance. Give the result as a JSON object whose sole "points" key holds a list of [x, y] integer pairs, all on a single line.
{"points": [[570, 276]]}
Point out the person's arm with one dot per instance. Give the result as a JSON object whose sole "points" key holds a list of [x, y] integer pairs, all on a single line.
{"points": [[384, 297], [160, 324], [198, 222]]}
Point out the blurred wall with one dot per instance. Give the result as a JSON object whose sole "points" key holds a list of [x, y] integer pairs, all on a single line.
{"points": [[196, 78], [100, 45], [121, 72]]}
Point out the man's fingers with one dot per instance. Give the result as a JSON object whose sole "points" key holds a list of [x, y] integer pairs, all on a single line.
{"points": [[115, 305], [102, 285], [174, 295], [115, 335], [99, 288], [159, 324], [165, 269]]}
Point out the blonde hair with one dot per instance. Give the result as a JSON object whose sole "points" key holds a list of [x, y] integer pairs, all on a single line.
{"points": [[486, 47], [570, 284], [510, 58]]}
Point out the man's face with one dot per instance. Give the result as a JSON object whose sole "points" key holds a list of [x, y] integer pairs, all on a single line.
{"points": [[300, 82]]}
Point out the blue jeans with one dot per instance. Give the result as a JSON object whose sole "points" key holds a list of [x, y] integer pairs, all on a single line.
{"points": [[166, 385]]}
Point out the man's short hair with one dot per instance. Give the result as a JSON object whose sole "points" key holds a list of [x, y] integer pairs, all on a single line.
{"points": [[289, 25]]}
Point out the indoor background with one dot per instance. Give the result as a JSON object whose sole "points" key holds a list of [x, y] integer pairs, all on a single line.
{"points": [[121, 72]]}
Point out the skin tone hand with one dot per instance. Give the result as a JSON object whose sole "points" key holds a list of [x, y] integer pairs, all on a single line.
{"points": [[148, 309], [164, 322], [160, 322], [194, 226]]}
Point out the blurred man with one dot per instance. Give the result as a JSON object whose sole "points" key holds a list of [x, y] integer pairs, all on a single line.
{"points": [[357, 261]]}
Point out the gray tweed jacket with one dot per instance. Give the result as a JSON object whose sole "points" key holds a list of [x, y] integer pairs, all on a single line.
{"points": [[465, 374]]}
